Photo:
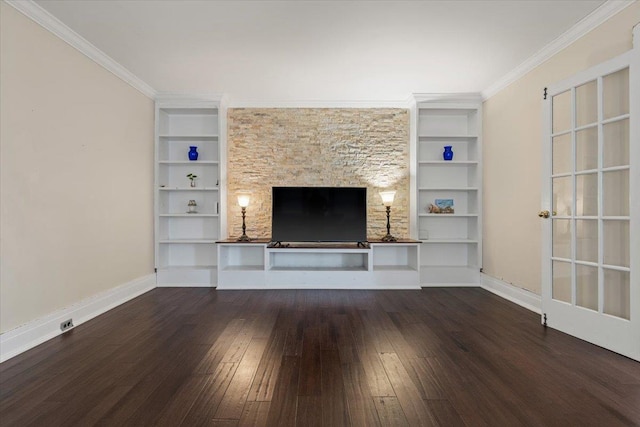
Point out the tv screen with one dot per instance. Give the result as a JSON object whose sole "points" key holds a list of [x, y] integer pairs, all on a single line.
{"points": [[319, 214]]}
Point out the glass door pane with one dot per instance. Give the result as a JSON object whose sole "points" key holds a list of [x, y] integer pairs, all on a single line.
{"points": [[561, 286], [587, 149], [562, 154], [616, 193], [615, 94], [561, 106], [587, 195], [617, 293], [587, 287], [616, 143], [562, 195], [587, 103]]}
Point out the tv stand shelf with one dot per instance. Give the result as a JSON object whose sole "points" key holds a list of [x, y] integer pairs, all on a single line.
{"points": [[254, 265]]}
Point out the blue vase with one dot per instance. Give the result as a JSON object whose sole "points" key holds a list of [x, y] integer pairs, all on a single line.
{"points": [[193, 153], [447, 154]]}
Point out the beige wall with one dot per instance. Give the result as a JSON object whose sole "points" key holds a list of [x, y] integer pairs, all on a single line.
{"points": [[347, 147], [512, 127], [76, 175]]}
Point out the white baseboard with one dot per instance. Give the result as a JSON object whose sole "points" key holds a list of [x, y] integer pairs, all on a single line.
{"points": [[522, 297], [29, 335], [450, 285], [186, 285]]}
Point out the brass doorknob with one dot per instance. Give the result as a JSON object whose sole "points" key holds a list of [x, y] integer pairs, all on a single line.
{"points": [[543, 214]]}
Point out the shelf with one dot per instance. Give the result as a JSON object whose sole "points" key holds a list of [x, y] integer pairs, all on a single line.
{"points": [[187, 215], [243, 268], [454, 215], [321, 269], [447, 266], [465, 241], [448, 162], [188, 162], [336, 250], [393, 268], [184, 241], [188, 189], [189, 137], [187, 267], [446, 137], [448, 189]]}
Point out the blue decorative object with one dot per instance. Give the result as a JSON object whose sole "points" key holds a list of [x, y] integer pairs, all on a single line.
{"points": [[193, 153], [447, 154]]}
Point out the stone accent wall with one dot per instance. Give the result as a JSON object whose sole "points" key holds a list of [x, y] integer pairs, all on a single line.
{"points": [[325, 147]]}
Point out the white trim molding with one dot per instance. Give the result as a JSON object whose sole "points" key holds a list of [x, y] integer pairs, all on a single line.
{"points": [[405, 104], [455, 98], [39, 15], [29, 335], [590, 22], [520, 296]]}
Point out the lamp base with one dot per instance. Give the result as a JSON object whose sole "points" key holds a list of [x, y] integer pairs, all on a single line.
{"points": [[243, 238], [389, 238]]}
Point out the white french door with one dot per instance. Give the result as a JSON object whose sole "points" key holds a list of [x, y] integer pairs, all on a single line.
{"points": [[591, 206]]}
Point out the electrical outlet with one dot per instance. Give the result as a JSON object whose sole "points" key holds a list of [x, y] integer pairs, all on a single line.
{"points": [[67, 324]]}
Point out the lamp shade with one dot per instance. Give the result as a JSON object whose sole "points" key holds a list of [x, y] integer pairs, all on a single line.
{"points": [[387, 197], [243, 199]]}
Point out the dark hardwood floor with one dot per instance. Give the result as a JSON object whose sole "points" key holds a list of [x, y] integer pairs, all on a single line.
{"points": [[318, 358]]}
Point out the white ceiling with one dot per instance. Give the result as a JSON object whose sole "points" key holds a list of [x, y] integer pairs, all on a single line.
{"points": [[320, 50]]}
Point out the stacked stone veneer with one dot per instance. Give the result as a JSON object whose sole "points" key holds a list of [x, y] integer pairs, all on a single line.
{"points": [[326, 147]]}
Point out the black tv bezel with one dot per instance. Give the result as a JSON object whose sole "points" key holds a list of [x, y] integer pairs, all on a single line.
{"points": [[323, 240]]}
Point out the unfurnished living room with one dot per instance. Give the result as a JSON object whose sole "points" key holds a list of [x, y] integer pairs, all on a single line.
{"points": [[319, 213]]}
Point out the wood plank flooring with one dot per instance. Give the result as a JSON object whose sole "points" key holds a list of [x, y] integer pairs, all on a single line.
{"points": [[201, 357]]}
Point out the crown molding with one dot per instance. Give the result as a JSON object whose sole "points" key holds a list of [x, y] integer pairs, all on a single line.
{"points": [[317, 104], [189, 98], [39, 15], [590, 22], [447, 97]]}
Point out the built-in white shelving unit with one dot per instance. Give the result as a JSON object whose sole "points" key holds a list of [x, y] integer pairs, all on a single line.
{"points": [[185, 249], [451, 248]]}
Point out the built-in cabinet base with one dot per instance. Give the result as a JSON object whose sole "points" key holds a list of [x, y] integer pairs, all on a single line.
{"points": [[253, 265], [187, 277]]}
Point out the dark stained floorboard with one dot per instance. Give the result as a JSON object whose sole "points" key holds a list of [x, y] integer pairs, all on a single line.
{"points": [[191, 357]]}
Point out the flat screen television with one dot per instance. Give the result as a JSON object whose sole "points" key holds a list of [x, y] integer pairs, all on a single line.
{"points": [[319, 214]]}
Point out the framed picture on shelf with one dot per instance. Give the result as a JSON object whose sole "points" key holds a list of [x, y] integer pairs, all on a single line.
{"points": [[442, 206]]}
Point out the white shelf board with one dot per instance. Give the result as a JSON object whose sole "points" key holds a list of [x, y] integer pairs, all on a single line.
{"points": [[428, 137], [333, 268], [188, 162], [393, 268], [243, 268], [200, 110], [448, 162], [337, 250], [449, 266], [448, 189], [181, 136], [465, 241], [183, 241], [187, 267], [185, 215], [188, 188], [454, 215]]}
